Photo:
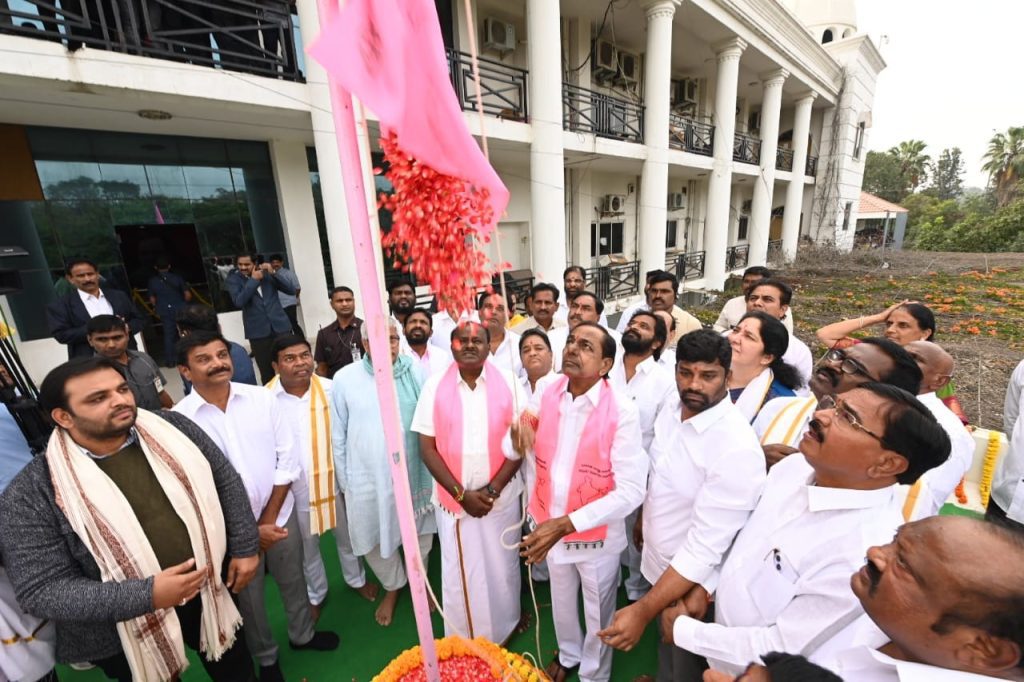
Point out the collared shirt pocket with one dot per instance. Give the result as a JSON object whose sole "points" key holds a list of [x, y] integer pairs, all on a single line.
{"points": [[773, 585]]}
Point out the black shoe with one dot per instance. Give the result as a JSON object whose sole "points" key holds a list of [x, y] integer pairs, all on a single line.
{"points": [[323, 640], [271, 673]]}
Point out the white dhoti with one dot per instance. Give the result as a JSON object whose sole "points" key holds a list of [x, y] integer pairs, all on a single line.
{"points": [[598, 579], [491, 583]]}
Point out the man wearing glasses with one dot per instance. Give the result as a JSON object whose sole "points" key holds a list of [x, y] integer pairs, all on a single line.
{"points": [[782, 422], [785, 584]]}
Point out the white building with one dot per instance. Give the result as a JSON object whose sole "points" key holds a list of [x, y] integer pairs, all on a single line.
{"points": [[694, 136]]}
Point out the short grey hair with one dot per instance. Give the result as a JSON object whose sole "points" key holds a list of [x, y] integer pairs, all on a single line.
{"points": [[364, 329]]}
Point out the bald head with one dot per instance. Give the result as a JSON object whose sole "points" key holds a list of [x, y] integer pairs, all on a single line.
{"points": [[935, 363]]}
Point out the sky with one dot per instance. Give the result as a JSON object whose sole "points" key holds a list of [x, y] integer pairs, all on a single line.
{"points": [[954, 74]]}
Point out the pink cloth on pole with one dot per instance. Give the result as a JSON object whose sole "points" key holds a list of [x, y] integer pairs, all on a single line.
{"points": [[389, 53]]}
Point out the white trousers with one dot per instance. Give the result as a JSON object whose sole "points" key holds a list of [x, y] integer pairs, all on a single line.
{"points": [[313, 563], [391, 571], [491, 583], [598, 580]]}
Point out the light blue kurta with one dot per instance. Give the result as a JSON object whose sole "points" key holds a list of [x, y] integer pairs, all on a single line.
{"points": [[361, 457]]}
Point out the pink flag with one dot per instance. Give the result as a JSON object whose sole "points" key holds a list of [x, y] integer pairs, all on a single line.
{"points": [[158, 214], [389, 53]]}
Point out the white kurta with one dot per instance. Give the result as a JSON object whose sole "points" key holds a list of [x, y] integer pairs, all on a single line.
{"points": [[650, 386], [477, 546], [734, 310], [785, 585], [443, 325], [434, 360], [941, 481]]}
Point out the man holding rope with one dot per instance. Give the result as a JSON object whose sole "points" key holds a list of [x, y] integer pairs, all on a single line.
{"points": [[464, 418]]}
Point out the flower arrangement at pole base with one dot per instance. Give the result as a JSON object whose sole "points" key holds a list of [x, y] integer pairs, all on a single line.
{"points": [[463, 660]]}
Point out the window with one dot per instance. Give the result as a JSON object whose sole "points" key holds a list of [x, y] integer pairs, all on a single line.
{"points": [[846, 215], [858, 142], [827, 36], [741, 232], [670, 234], [605, 239]]}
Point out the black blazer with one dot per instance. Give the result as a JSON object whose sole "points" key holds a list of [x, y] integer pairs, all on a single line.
{"points": [[67, 318]]}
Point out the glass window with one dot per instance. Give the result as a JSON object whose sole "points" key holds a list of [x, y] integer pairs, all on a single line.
{"points": [[70, 180], [671, 234], [605, 239], [741, 230]]}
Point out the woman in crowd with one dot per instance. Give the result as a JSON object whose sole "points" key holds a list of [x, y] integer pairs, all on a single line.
{"points": [[904, 322], [535, 354], [758, 372]]}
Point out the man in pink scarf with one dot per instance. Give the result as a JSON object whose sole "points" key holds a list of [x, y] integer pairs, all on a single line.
{"points": [[464, 417], [591, 472]]}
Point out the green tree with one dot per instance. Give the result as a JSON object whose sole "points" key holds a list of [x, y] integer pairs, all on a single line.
{"points": [[948, 175], [1004, 163], [914, 163], [883, 177]]}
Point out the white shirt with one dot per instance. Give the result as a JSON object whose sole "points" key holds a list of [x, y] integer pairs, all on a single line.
{"points": [[476, 467], [706, 477], [531, 323], [867, 664], [256, 437], [629, 466], [563, 311], [650, 386], [1011, 406], [785, 585], [443, 326], [541, 384], [507, 355], [799, 356], [668, 360], [685, 322], [434, 360], [1007, 490], [96, 305], [558, 338], [24, 657], [296, 412], [941, 481], [734, 310]]}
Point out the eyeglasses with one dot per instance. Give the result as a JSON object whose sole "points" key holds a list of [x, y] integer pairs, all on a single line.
{"points": [[843, 412], [847, 364]]}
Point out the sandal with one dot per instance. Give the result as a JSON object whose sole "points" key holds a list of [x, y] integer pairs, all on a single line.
{"points": [[557, 672]]}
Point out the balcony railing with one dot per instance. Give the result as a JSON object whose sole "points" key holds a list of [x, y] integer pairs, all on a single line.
{"points": [[616, 280], [736, 257], [253, 36], [588, 111], [503, 87], [812, 166], [746, 149], [691, 136], [686, 266], [784, 159], [775, 251]]}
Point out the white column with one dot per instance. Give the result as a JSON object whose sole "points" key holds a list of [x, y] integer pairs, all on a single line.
{"points": [[654, 177], [298, 214], [764, 186], [795, 189], [547, 187], [339, 239], [716, 226], [582, 216]]}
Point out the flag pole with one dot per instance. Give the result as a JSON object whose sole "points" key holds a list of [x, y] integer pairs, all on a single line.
{"points": [[363, 245]]}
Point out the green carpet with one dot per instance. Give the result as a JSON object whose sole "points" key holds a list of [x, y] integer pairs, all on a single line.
{"points": [[366, 647]]}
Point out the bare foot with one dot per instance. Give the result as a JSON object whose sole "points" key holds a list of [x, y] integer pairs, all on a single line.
{"points": [[369, 591], [386, 609]]}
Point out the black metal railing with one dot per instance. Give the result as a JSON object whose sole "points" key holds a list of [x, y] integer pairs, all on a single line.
{"points": [[588, 111], [686, 266], [784, 159], [690, 135], [617, 280], [503, 87], [812, 166], [746, 149], [253, 36], [736, 257], [774, 251]]}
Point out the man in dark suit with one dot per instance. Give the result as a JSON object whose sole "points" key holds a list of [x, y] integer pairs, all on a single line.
{"points": [[68, 315], [253, 289]]}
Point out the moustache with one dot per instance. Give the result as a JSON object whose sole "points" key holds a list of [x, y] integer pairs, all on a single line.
{"points": [[694, 396], [815, 427], [218, 370], [874, 575], [830, 374]]}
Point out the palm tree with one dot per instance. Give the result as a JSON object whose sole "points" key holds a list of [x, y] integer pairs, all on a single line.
{"points": [[1004, 163], [914, 162]]}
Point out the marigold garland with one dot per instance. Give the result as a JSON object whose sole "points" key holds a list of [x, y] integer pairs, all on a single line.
{"points": [[988, 467], [437, 221], [961, 494], [462, 660]]}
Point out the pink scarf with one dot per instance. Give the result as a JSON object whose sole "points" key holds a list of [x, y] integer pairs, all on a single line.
{"points": [[592, 475], [448, 424]]}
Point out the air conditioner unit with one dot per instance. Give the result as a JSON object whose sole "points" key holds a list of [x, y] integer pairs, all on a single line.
{"points": [[684, 91], [613, 203], [676, 201], [629, 67], [499, 35], [606, 60]]}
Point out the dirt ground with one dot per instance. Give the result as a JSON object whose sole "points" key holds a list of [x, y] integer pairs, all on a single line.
{"points": [[978, 300]]}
